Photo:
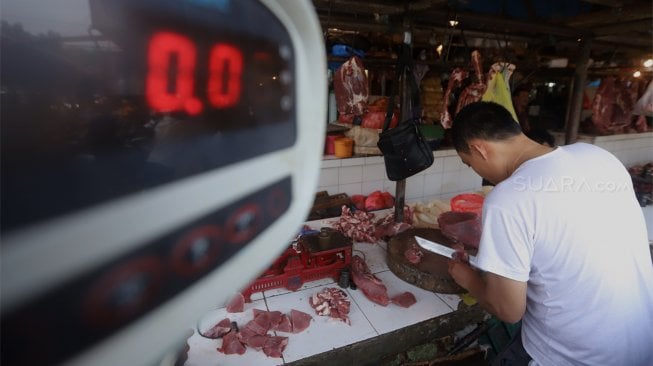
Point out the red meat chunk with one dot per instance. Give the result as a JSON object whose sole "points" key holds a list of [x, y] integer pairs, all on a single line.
{"points": [[284, 325], [274, 346], [219, 330], [236, 304], [372, 287], [300, 320], [231, 345], [406, 299]]}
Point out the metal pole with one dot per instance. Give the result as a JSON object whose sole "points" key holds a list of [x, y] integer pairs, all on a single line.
{"points": [[580, 76]]}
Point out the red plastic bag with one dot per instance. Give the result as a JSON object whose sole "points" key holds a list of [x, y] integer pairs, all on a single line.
{"points": [[468, 202]]}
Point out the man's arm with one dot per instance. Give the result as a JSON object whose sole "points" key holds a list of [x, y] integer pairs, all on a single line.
{"points": [[500, 296]]}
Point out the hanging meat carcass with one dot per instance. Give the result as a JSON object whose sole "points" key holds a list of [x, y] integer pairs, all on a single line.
{"points": [[612, 106], [351, 88], [470, 94]]}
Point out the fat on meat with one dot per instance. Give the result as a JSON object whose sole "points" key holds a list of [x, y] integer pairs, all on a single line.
{"points": [[219, 330], [371, 286], [350, 87], [332, 302], [358, 225]]}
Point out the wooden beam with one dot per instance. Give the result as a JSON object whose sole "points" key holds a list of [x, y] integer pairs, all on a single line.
{"points": [[625, 14], [357, 6], [610, 3], [580, 76], [623, 27], [625, 40]]}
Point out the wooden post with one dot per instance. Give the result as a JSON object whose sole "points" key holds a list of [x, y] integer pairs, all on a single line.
{"points": [[580, 76], [406, 113]]}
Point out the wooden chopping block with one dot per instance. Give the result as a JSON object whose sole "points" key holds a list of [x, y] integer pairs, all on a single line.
{"points": [[431, 273]]}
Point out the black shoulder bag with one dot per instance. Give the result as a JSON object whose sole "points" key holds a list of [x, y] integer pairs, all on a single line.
{"points": [[405, 150]]}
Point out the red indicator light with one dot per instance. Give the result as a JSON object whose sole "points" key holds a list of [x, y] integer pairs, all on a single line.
{"points": [[226, 68], [160, 94], [170, 82]]}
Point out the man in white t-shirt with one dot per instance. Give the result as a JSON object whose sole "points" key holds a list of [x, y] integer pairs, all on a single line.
{"points": [[564, 246]]}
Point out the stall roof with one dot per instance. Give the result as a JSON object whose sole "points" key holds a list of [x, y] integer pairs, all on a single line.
{"points": [[527, 32]]}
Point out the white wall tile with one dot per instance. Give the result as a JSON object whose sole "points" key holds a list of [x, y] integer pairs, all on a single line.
{"points": [[373, 172], [452, 163], [351, 188], [432, 184], [371, 186], [328, 177], [436, 167], [350, 174], [330, 163], [450, 181], [390, 186], [352, 161], [469, 179], [374, 160], [415, 187]]}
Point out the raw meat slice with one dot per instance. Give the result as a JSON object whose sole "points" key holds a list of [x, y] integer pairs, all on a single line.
{"points": [[300, 320], [406, 299], [372, 287], [274, 346], [255, 341], [219, 330], [284, 325], [274, 317], [260, 324], [236, 304], [231, 345]]}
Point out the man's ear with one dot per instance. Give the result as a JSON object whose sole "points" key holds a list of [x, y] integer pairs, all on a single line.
{"points": [[479, 147]]}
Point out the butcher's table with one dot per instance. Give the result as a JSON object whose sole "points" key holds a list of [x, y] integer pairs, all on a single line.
{"points": [[375, 331]]}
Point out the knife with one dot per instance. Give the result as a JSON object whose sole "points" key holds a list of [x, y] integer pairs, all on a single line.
{"points": [[443, 250]]}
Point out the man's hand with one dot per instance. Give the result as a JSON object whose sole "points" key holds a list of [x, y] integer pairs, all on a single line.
{"points": [[501, 296]]}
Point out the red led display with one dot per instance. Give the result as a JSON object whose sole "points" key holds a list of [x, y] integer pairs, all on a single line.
{"points": [[173, 54]]}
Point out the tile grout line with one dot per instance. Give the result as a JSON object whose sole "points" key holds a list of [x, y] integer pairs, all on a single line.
{"points": [[365, 315]]}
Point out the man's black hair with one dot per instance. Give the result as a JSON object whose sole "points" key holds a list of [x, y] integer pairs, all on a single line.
{"points": [[541, 136], [482, 120]]}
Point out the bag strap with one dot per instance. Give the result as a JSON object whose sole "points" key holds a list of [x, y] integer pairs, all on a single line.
{"points": [[404, 68]]}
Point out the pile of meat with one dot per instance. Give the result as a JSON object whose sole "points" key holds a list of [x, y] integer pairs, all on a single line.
{"points": [[373, 288], [332, 302], [255, 332], [361, 226]]}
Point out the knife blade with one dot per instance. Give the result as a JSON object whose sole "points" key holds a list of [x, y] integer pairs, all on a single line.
{"points": [[441, 249]]}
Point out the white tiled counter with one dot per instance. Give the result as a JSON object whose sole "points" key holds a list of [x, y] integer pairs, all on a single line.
{"points": [[368, 320]]}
